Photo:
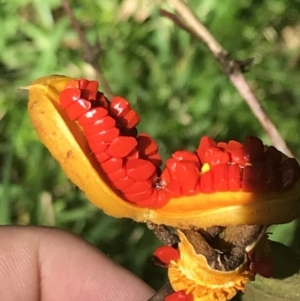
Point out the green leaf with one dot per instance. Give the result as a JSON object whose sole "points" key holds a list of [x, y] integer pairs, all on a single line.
{"points": [[283, 285]]}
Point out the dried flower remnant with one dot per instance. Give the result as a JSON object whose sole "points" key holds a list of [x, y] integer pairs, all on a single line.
{"points": [[214, 267], [98, 146]]}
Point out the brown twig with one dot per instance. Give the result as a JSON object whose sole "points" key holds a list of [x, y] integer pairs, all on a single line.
{"points": [[91, 53], [233, 69], [178, 22], [163, 234], [162, 293], [169, 239]]}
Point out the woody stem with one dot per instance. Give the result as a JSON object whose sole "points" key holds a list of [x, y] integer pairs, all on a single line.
{"points": [[163, 234], [162, 293], [187, 20]]}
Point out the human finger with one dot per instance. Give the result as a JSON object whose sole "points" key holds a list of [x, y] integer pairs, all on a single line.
{"points": [[41, 264]]}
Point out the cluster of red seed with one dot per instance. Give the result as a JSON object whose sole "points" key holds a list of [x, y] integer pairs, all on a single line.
{"points": [[232, 166], [130, 161], [132, 165]]}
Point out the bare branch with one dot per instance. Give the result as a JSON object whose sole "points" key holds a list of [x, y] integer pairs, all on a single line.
{"points": [[162, 293], [233, 69], [178, 22], [163, 234], [168, 239], [91, 53]]}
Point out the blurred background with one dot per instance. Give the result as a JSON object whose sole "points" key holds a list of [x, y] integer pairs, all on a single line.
{"points": [[169, 78]]}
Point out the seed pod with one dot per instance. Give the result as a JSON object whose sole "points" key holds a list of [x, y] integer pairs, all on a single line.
{"points": [[200, 273], [170, 201]]}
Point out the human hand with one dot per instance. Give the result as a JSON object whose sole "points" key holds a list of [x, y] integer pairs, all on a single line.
{"points": [[41, 264]]}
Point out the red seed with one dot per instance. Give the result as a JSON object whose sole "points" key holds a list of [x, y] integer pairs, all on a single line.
{"points": [[184, 155], [194, 191], [260, 172], [237, 155], [140, 169], [134, 154], [100, 125], [92, 87], [221, 177], [139, 187], [290, 172], [248, 179], [72, 84], [119, 106], [234, 178], [121, 146], [83, 83], [146, 145], [123, 183], [207, 182], [264, 266], [254, 149], [166, 253], [112, 165], [165, 176], [171, 166], [205, 143], [174, 189], [163, 197], [215, 156], [106, 136], [150, 201], [179, 296], [138, 196], [187, 174], [222, 145], [254, 178], [273, 179], [92, 116], [130, 120], [110, 134], [117, 175], [232, 144], [78, 108], [98, 147], [102, 157], [69, 96], [273, 156]]}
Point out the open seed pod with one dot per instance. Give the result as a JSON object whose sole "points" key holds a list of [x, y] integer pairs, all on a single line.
{"points": [[97, 145], [214, 266]]}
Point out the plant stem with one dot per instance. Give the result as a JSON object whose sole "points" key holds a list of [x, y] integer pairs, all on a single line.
{"points": [[162, 293], [233, 69], [91, 53], [163, 234]]}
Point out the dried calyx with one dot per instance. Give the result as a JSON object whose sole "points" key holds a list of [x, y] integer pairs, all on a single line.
{"points": [[217, 184], [215, 263]]}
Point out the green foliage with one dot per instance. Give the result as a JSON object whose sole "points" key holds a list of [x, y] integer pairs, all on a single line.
{"points": [[171, 79], [284, 283]]}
